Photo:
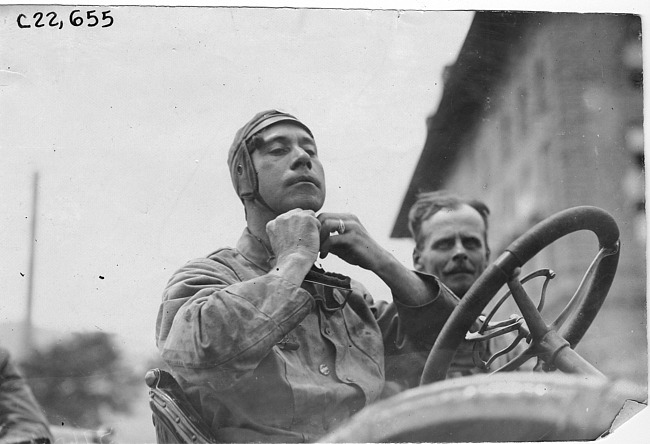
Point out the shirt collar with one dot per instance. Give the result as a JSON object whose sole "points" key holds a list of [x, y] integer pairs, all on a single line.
{"points": [[254, 251]]}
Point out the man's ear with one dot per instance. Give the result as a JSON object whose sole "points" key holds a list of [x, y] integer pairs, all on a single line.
{"points": [[416, 260]]}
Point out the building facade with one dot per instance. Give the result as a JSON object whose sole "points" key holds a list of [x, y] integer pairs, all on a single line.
{"points": [[542, 112]]}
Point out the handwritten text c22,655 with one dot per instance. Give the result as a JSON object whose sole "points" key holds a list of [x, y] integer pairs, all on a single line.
{"points": [[90, 18]]}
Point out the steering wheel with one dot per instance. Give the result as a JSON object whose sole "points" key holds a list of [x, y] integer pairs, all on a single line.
{"points": [[553, 343]]}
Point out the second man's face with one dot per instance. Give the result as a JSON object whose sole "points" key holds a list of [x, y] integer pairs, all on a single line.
{"points": [[289, 171], [454, 248]]}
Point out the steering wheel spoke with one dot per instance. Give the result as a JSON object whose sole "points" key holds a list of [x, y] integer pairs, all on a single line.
{"points": [[517, 361], [533, 317], [489, 330], [494, 330], [504, 351], [544, 272], [583, 287]]}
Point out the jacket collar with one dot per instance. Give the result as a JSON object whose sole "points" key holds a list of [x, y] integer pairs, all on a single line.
{"points": [[254, 251]]}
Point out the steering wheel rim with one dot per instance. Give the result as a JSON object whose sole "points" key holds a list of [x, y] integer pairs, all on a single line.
{"points": [[519, 252]]}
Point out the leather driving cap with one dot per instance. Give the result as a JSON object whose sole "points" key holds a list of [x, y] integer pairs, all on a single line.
{"points": [[242, 171]]}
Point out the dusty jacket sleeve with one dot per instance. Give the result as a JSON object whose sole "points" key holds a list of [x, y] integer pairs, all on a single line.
{"points": [[423, 322], [21, 418], [210, 320]]}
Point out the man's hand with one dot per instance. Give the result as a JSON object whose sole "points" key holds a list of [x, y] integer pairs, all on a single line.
{"points": [[295, 240], [353, 243]]}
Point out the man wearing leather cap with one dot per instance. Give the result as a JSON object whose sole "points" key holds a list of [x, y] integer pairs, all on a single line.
{"points": [[266, 346]]}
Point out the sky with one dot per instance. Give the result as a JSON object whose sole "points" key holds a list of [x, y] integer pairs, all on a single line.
{"points": [[128, 127]]}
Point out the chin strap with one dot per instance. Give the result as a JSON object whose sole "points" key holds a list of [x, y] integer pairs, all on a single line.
{"points": [[249, 183], [258, 197]]}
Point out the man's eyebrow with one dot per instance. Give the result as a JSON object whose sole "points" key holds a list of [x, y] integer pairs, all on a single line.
{"points": [[274, 137], [442, 238], [282, 138]]}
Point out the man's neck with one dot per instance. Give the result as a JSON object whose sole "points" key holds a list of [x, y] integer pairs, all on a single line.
{"points": [[257, 217]]}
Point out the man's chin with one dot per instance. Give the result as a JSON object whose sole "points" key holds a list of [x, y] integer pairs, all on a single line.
{"points": [[312, 204], [305, 204], [459, 283]]}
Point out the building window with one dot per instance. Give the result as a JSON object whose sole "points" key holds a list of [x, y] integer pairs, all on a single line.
{"points": [[634, 138], [540, 86], [547, 183], [505, 131], [484, 168], [632, 59], [526, 204], [634, 178], [632, 54], [522, 108]]}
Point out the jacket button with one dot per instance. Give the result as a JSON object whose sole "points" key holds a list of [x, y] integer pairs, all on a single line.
{"points": [[324, 369]]}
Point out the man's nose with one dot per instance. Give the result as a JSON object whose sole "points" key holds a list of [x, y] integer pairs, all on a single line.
{"points": [[301, 158], [460, 253]]}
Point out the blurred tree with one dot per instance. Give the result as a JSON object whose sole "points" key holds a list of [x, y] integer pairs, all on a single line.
{"points": [[78, 379]]}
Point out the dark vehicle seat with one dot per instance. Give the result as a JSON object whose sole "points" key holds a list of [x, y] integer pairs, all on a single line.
{"points": [[174, 418]]}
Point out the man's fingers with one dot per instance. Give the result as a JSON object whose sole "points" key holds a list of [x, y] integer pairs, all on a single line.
{"points": [[337, 222], [334, 245], [324, 235], [327, 221], [328, 226], [337, 245], [325, 247]]}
